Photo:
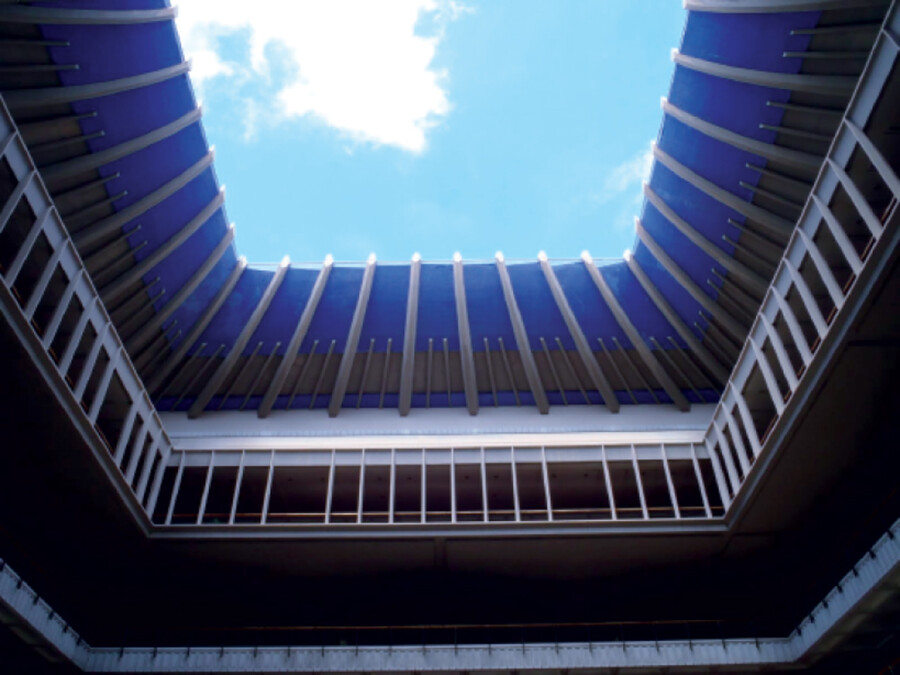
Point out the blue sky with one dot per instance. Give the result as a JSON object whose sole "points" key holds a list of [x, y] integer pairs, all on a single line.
{"points": [[429, 126]]}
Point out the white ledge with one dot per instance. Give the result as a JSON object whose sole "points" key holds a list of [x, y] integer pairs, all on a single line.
{"points": [[442, 427]]}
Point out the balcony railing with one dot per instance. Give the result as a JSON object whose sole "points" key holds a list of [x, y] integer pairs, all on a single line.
{"points": [[48, 296], [847, 228]]}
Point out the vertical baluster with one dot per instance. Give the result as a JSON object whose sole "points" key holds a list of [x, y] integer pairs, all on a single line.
{"points": [[669, 482], [515, 484], [793, 326], [484, 490], [747, 419], [209, 472], [90, 362], [264, 518], [768, 376], [157, 483], [175, 488], [362, 486], [698, 474], [787, 368], [821, 265], [145, 472], [103, 387], [608, 481], [12, 273], [724, 495], [60, 309], [76, 336], [809, 302], [37, 294], [329, 497], [236, 495], [546, 476]]}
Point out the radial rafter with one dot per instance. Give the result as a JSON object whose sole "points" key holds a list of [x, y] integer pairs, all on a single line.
{"points": [[302, 327], [218, 377], [598, 378], [350, 346], [637, 342], [521, 335]]}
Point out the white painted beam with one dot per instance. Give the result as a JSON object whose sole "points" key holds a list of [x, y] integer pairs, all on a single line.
{"points": [[776, 153], [112, 291], [598, 378], [146, 331], [634, 337], [734, 267], [356, 325], [215, 381], [407, 364], [518, 325], [829, 85], [302, 327], [94, 160], [736, 330], [24, 99], [466, 354], [102, 228], [780, 227], [84, 17], [200, 325]]}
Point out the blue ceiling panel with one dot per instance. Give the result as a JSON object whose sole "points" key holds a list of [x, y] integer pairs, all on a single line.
{"points": [[747, 40], [720, 163], [636, 303], [197, 302], [537, 306], [169, 217], [160, 104], [156, 165], [437, 308], [386, 312], [736, 106], [281, 318], [181, 263], [234, 313], [706, 215], [335, 311], [674, 293], [694, 262], [488, 315], [123, 52]]}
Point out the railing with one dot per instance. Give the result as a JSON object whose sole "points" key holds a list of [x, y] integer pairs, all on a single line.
{"points": [[830, 252], [413, 486], [49, 296]]}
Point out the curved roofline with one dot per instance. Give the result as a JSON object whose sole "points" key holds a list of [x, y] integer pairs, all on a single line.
{"points": [[663, 324]]}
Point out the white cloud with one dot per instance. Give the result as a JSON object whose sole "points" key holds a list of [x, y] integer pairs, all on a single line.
{"points": [[620, 188], [629, 175], [359, 66]]}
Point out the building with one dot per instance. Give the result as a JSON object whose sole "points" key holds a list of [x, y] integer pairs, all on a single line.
{"points": [[683, 461]]}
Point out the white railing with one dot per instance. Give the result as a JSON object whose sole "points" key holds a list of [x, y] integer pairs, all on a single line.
{"points": [[62, 320], [787, 360], [622, 482]]}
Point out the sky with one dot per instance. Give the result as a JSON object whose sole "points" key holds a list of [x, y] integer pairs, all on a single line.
{"points": [[348, 127]]}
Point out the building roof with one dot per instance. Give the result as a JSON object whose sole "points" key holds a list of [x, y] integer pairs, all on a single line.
{"points": [[746, 123]]}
